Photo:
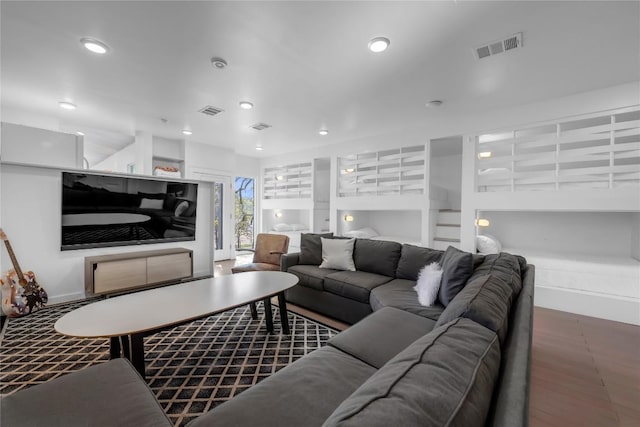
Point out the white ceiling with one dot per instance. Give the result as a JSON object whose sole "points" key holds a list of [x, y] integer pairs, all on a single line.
{"points": [[305, 65]]}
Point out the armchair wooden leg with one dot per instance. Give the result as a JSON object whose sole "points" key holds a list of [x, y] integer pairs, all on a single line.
{"points": [[254, 310]]}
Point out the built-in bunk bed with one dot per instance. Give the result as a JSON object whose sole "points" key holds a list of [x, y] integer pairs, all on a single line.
{"points": [[566, 195], [385, 195], [295, 199]]}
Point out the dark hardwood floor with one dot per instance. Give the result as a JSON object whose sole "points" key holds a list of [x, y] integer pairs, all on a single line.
{"points": [[585, 371]]}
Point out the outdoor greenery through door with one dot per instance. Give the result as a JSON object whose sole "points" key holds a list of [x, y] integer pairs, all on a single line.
{"points": [[244, 212]]}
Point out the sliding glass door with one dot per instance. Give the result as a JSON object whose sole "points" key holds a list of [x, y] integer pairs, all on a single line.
{"points": [[244, 213]]}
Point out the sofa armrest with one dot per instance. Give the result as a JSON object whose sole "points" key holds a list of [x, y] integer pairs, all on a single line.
{"points": [[289, 260]]}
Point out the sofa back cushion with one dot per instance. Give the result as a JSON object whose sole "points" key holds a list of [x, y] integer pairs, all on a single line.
{"points": [[485, 300], [311, 248], [457, 267], [413, 259], [444, 378], [505, 266], [377, 256]]}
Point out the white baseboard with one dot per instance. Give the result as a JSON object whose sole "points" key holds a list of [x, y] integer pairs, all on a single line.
{"points": [[59, 299], [610, 307]]}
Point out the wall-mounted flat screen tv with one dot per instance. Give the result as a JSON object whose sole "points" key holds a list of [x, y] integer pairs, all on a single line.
{"points": [[111, 210]]}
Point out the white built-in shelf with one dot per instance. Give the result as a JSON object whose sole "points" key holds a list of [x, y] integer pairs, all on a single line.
{"points": [[294, 181], [396, 171]]}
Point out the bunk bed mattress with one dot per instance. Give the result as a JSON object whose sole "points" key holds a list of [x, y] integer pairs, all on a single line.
{"points": [[615, 276], [294, 238]]}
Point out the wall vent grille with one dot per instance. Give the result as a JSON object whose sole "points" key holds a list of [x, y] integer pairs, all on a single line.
{"points": [[210, 110], [260, 126], [498, 46]]}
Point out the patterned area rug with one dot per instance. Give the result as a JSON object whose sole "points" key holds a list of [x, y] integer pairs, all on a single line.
{"points": [[191, 368]]}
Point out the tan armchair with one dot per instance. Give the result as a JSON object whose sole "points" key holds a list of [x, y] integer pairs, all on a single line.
{"points": [[266, 257]]}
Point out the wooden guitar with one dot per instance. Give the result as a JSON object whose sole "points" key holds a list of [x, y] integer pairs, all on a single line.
{"points": [[21, 295]]}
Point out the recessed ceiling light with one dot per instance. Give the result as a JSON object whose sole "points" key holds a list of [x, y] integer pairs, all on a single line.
{"points": [[80, 133], [246, 105], [379, 44], [218, 62], [434, 103], [187, 132], [95, 46], [323, 132], [67, 105], [259, 148]]}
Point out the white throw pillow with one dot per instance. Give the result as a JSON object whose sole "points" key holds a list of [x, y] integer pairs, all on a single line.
{"points": [[151, 203], [428, 284], [298, 227], [487, 244], [282, 227], [337, 254]]}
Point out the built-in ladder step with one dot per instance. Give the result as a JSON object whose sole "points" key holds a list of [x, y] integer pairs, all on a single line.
{"points": [[444, 239]]}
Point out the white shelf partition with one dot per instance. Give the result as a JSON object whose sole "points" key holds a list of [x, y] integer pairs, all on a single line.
{"points": [[399, 171], [601, 151], [294, 181]]}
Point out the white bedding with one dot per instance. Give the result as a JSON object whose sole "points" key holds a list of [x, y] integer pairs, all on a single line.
{"points": [[294, 238], [399, 239], [617, 276]]}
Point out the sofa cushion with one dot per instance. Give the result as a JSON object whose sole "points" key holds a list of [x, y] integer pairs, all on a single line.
{"points": [[457, 267], [377, 338], [311, 276], [445, 378], [413, 259], [399, 293], [355, 285], [304, 393], [377, 256], [311, 248], [485, 300], [338, 254], [80, 399], [505, 266]]}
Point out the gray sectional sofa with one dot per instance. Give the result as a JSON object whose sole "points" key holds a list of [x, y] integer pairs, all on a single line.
{"points": [[463, 362]]}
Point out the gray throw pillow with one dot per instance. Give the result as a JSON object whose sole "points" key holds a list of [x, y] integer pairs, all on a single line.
{"points": [[311, 248], [457, 267], [377, 256], [413, 259]]}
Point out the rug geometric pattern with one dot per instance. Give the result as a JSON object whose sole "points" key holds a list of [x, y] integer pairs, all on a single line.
{"points": [[190, 368]]}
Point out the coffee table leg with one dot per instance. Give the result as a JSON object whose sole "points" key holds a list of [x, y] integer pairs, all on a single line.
{"points": [[137, 353], [284, 318], [268, 314], [114, 347], [254, 310]]}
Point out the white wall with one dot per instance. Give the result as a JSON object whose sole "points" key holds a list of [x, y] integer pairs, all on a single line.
{"points": [[446, 172], [394, 223], [635, 236], [28, 145], [117, 162], [588, 233], [33, 226]]}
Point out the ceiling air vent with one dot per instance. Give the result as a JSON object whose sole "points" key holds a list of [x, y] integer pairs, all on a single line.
{"points": [[211, 111], [498, 46], [260, 126]]}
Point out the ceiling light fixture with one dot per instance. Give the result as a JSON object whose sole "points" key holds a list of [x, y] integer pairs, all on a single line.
{"points": [[218, 63], [95, 46], [433, 104], [80, 133], [67, 105], [187, 132], [379, 44], [259, 148], [246, 105], [323, 132]]}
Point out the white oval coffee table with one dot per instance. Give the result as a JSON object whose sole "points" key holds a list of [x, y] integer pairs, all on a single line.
{"points": [[127, 319]]}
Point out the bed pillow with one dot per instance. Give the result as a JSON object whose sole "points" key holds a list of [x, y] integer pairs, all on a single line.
{"points": [[282, 227], [311, 248], [362, 233], [181, 208], [337, 254], [487, 244], [428, 284], [457, 267], [298, 227]]}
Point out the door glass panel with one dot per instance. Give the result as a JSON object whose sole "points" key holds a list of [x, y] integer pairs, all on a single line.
{"points": [[218, 193], [244, 212]]}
